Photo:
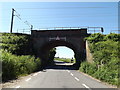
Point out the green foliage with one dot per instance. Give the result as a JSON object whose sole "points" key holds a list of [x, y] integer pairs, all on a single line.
{"points": [[105, 50], [107, 75], [88, 68], [15, 43], [14, 66], [52, 53], [64, 59], [112, 36], [27, 62], [93, 38]]}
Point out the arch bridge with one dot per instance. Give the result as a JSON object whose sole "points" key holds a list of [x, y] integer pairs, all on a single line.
{"points": [[44, 40]]}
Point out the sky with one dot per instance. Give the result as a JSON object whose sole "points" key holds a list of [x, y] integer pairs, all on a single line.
{"points": [[43, 15], [64, 52], [59, 0]]}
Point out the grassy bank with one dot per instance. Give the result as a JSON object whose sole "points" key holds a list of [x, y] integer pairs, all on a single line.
{"points": [[105, 50]]}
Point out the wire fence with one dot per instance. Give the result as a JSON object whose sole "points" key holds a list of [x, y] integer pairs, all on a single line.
{"points": [[24, 31]]}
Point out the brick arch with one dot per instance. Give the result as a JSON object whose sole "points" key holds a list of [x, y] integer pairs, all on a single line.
{"points": [[52, 44], [43, 41]]}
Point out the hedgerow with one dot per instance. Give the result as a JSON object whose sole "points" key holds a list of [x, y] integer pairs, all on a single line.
{"points": [[15, 43], [105, 50], [14, 66], [16, 57]]}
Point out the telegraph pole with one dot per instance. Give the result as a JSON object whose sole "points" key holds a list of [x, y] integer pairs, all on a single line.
{"points": [[102, 30], [31, 27], [12, 20]]}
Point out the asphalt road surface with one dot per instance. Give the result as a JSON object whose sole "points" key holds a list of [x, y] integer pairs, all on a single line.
{"points": [[60, 76]]}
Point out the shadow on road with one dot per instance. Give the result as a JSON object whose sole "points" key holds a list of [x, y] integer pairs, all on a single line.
{"points": [[60, 62], [61, 67]]}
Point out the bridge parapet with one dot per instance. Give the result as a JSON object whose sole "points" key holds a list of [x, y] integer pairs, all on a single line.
{"points": [[89, 29], [67, 32]]}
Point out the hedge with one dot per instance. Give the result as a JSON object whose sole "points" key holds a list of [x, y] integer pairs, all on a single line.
{"points": [[14, 66], [105, 50]]}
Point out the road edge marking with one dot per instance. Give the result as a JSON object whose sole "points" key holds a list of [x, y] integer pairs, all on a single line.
{"points": [[39, 72], [71, 74], [68, 71], [28, 79], [18, 87], [93, 78], [35, 74], [86, 86], [77, 79]]}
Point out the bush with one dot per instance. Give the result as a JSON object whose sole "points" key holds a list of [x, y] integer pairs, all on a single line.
{"points": [[52, 53], [14, 66], [93, 38], [9, 66], [27, 64], [105, 50], [15, 43], [112, 36], [88, 68]]}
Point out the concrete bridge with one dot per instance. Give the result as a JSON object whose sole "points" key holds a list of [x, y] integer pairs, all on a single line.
{"points": [[44, 40]]}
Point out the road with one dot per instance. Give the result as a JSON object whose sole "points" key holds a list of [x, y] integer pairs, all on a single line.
{"points": [[60, 76]]}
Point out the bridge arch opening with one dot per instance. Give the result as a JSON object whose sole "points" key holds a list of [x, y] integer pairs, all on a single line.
{"points": [[64, 57], [45, 50], [64, 52]]}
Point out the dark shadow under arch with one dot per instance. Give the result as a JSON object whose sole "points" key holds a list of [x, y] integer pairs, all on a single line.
{"points": [[51, 44], [43, 40]]}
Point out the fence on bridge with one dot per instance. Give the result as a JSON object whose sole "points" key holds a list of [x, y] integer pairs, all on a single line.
{"points": [[115, 31], [89, 29]]}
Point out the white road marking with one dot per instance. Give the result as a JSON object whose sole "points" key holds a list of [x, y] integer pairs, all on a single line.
{"points": [[76, 78], [18, 87], [28, 79], [86, 86], [68, 71], [35, 74], [71, 74], [39, 72]]}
